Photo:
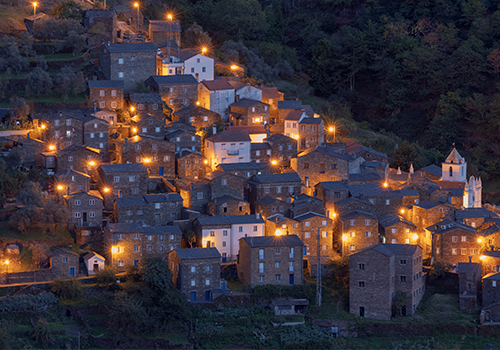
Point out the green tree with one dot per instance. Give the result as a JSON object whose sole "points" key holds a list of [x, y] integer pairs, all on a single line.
{"points": [[320, 67], [70, 289], [407, 154], [20, 108], [76, 42], [31, 194], [67, 9], [156, 274], [106, 278], [337, 281], [190, 237], [39, 82], [27, 42], [196, 37], [41, 332]]}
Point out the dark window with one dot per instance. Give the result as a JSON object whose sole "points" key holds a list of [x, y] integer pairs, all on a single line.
{"points": [[336, 195], [361, 266], [321, 168], [402, 279], [451, 172], [306, 165], [334, 166], [361, 311], [361, 284]]}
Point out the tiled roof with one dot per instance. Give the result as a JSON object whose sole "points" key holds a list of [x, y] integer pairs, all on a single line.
{"points": [[391, 219], [225, 199], [231, 136], [469, 268], [273, 241], [294, 115], [106, 84], [290, 104], [395, 249], [242, 166], [453, 157], [365, 177], [425, 204], [252, 129], [165, 26], [162, 230], [197, 253], [124, 228], [245, 103], [278, 137], [356, 213], [215, 85], [131, 47], [433, 170], [191, 110], [174, 79], [62, 251], [272, 178], [92, 193], [231, 220], [126, 167], [148, 97], [269, 93]]}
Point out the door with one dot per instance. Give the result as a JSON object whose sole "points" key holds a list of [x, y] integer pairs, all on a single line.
{"points": [[305, 250], [84, 217], [208, 295], [96, 267], [161, 171], [291, 279], [224, 257], [193, 296], [362, 311], [72, 271]]}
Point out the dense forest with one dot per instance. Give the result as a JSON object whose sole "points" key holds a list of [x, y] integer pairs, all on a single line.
{"points": [[425, 70]]}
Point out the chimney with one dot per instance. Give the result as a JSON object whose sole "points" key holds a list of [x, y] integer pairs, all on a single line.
{"points": [[214, 129], [109, 43], [67, 190], [237, 97], [470, 259], [126, 140], [95, 108], [29, 136], [158, 52], [19, 138], [268, 132]]}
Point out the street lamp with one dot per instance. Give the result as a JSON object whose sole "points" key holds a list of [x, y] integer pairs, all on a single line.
{"points": [[34, 16], [203, 50], [234, 67], [52, 147], [106, 189], [331, 129], [169, 17], [136, 4], [91, 163], [7, 267]]}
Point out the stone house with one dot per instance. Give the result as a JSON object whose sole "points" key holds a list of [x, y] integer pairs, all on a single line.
{"points": [[469, 285], [190, 166], [269, 206], [70, 181], [271, 96], [474, 217], [453, 242], [311, 133], [283, 149], [196, 272], [133, 18], [320, 164], [246, 170], [104, 21], [490, 261], [248, 112], [196, 196], [394, 229], [279, 225], [380, 274], [217, 96], [132, 63], [77, 157], [121, 180], [310, 224], [84, 209], [257, 133], [350, 204], [354, 231], [106, 94], [222, 183], [354, 148], [63, 129], [229, 146], [178, 91], [431, 172], [64, 263], [149, 103], [146, 124], [177, 125], [32, 147], [184, 140], [491, 284], [283, 186], [125, 244], [94, 263], [228, 205], [331, 192], [270, 260], [158, 156], [165, 32], [159, 241], [197, 116], [224, 232], [303, 203], [150, 210], [285, 107], [261, 153], [185, 62], [291, 124], [96, 133]]}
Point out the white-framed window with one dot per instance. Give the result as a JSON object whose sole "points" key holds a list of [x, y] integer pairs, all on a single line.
{"points": [[463, 251], [78, 215], [261, 267], [454, 239], [291, 266], [92, 135], [157, 205], [102, 104], [70, 158], [307, 234], [65, 260], [155, 106], [207, 281], [223, 243], [463, 239], [157, 129], [131, 179], [166, 158], [91, 201], [367, 222], [224, 182], [205, 119], [193, 283], [277, 264], [56, 122], [199, 195], [68, 133], [454, 251], [352, 248], [393, 241], [116, 179], [193, 269], [120, 61], [120, 75], [368, 234], [307, 224], [261, 278], [136, 248], [387, 202], [91, 214], [68, 122], [78, 202]]}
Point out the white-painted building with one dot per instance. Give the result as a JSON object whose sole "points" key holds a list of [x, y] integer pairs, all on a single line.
{"points": [[292, 121], [224, 232], [94, 263], [217, 96], [229, 146], [185, 62], [247, 91]]}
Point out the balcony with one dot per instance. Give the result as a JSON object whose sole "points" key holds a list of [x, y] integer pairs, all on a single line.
{"points": [[233, 152]]}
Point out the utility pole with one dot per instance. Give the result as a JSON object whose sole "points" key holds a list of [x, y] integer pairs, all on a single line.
{"points": [[318, 272]]}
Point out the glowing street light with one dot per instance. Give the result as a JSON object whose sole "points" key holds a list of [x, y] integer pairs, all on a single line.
{"points": [[414, 237], [134, 129], [91, 163], [386, 184], [60, 188], [114, 250], [132, 109], [479, 240], [278, 233], [136, 4], [34, 14], [7, 267], [197, 103], [402, 211], [344, 238], [234, 67], [204, 50], [146, 160], [205, 161], [106, 189], [43, 126], [170, 17], [274, 162], [52, 147], [482, 257]]}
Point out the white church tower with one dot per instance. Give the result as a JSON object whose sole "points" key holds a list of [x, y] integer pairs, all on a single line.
{"points": [[454, 168]]}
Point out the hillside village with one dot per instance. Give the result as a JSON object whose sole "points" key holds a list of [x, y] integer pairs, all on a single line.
{"points": [[213, 174]]}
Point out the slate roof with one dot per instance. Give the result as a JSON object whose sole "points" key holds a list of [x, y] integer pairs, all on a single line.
{"points": [[311, 121], [308, 215], [216, 85], [94, 255], [148, 97], [370, 189], [231, 136], [267, 200], [492, 276], [225, 199], [277, 218], [272, 178], [471, 213], [395, 249], [131, 47], [197, 253], [91, 193], [126, 167], [448, 226], [162, 230], [196, 185], [272, 241], [294, 115], [124, 227], [425, 204], [69, 171], [185, 55], [174, 79], [433, 170], [62, 251], [77, 114], [191, 110], [165, 26], [74, 148], [259, 146], [374, 164], [453, 157], [352, 199], [365, 177], [329, 151], [391, 219], [278, 137], [163, 197], [245, 103], [185, 153], [290, 104], [242, 166], [469, 268], [492, 254], [137, 201], [93, 13], [269, 93], [217, 173], [231, 220], [106, 84], [356, 213], [176, 133], [252, 129]]}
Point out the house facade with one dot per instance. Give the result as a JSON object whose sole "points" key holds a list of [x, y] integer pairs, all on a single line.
{"points": [[229, 146], [106, 94]]}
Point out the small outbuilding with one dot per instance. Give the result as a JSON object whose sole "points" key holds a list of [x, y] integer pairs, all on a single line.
{"points": [[94, 263]]}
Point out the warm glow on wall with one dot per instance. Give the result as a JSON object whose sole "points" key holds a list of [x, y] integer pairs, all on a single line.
{"points": [[482, 257], [278, 233], [414, 237], [344, 237], [114, 250], [479, 240]]}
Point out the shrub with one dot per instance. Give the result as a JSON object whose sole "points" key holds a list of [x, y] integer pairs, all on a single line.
{"points": [[67, 289], [106, 278], [27, 302]]}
